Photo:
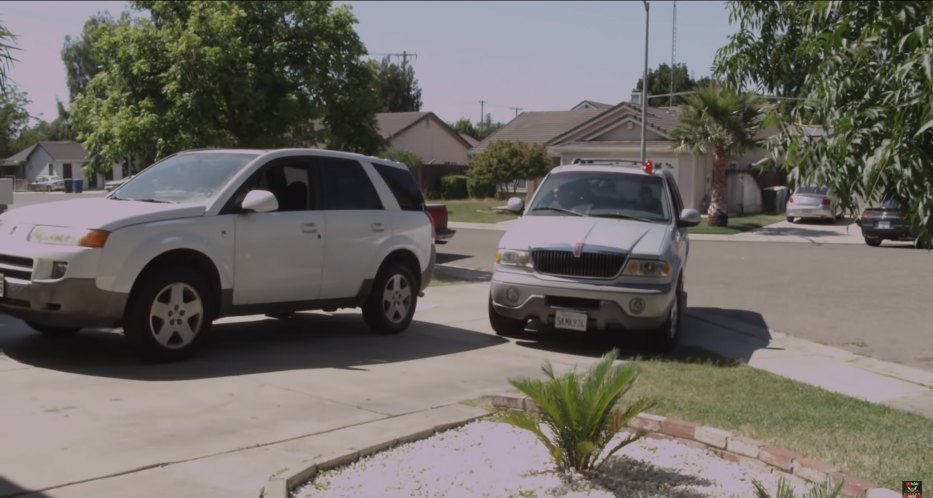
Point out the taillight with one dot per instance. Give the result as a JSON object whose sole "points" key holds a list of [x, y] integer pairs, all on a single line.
{"points": [[826, 201]]}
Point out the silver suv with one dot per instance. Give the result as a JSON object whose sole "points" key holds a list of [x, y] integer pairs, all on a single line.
{"points": [[602, 246]]}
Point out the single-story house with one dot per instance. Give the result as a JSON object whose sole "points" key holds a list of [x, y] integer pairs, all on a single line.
{"points": [[65, 159], [442, 150], [595, 130]]}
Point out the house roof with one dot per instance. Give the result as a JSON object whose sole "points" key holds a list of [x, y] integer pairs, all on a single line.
{"points": [[472, 141], [658, 119], [59, 151], [392, 124], [538, 127], [590, 104]]}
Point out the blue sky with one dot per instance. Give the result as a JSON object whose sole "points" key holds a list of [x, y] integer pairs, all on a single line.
{"points": [[536, 55]]}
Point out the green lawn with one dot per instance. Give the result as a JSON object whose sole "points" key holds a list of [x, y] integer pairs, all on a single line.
{"points": [[871, 441], [737, 224], [474, 210]]}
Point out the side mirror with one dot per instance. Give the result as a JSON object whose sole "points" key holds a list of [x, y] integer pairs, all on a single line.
{"points": [[689, 218], [260, 201], [515, 205]]}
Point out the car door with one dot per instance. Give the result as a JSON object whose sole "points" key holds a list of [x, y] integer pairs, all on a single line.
{"points": [[681, 237], [280, 254], [357, 226]]}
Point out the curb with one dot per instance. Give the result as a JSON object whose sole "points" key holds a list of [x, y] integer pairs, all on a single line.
{"points": [[731, 447], [282, 483]]}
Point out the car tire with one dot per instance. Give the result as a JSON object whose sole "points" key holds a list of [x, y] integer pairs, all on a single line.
{"points": [[390, 306], [664, 339], [790, 219], [169, 314], [872, 241], [503, 325], [920, 244], [50, 331]]}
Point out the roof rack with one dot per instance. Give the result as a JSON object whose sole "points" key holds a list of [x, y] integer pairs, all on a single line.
{"points": [[607, 160]]}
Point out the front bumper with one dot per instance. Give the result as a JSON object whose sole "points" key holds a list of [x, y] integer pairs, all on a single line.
{"points": [[70, 302], [607, 306]]}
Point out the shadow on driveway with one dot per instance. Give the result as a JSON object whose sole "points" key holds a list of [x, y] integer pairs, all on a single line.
{"points": [[9, 490], [731, 335], [306, 341]]}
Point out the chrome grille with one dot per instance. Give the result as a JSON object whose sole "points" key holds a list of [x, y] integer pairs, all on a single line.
{"points": [[16, 267], [589, 264]]}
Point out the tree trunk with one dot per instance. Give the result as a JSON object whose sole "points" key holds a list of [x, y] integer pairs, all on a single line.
{"points": [[718, 205]]}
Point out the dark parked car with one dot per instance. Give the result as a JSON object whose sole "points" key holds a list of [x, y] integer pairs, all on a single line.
{"points": [[889, 221]]}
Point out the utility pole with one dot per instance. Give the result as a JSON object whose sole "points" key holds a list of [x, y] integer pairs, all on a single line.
{"points": [[516, 109], [644, 87], [673, 51], [481, 115]]}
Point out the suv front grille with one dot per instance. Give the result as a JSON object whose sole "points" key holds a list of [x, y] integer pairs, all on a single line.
{"points": [[589, 264], [16, 267]]}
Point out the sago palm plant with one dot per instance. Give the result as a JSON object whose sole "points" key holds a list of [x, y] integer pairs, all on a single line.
{"points": [[784, 490], [581, 412]]}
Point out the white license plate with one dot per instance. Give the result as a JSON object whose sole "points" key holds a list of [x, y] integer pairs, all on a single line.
{"points": [[2, 285], [807, 211], [570, 320], [884, 224]]}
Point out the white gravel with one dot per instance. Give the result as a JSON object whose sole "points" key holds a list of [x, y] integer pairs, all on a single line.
{"points": [[494, 459]]}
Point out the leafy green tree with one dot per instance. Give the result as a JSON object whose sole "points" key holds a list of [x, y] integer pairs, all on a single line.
{"points": [[723, 123], [582, 413], [397, 86], [465, 126], [863, 75], [505, 162], [255, 74], [659, 82], [81, 63], [13, 119], [403, 156], [479, 131]]}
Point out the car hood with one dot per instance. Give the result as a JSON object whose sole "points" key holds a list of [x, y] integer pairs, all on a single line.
{"points": [[100, 213], [634, 237]]}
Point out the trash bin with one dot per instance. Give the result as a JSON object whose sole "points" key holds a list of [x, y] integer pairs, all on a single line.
{"points": [[769, 200], [782, 194], [69, 186], [79, 186]]}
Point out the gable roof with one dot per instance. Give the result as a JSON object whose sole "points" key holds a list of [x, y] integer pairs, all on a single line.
{"points": [[590, 104], [393, 124], [65, 150], [538, 127], [470, 140], [659, 119]]}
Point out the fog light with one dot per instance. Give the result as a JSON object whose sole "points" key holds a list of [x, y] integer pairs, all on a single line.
{"points": [[636, 305], [512, 294], [58, 269]]}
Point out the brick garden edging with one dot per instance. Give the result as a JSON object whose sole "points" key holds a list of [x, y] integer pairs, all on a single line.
{"points": [[733, 448]]}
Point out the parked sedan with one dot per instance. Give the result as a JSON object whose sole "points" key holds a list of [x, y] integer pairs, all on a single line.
{"points": [[889, 221], [812, 203], [48, 183]]}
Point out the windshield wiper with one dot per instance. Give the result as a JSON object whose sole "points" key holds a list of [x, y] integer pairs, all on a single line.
{"points": [[624, 217], [559, 210], [159, 201]]}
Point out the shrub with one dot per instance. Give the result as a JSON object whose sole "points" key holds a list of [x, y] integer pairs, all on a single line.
{"points": [[454, 187], [581, 413], [479, 188], [785, 491]]}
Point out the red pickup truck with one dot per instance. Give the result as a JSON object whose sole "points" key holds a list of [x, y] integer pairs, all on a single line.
{"points": [[438, 215]]}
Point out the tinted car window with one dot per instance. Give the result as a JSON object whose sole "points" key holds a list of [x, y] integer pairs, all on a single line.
{"points": [[346, 185], [403, 186], [183, 177], [813, 190]]}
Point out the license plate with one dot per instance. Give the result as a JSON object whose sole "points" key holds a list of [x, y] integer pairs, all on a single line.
{"points": [[884, 224], [2, 285], [570, 320], [807, 211]]}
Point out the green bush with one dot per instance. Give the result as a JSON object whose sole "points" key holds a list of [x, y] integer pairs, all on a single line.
{"points": [[454, 187], [827, 490], [581, 412], [479, 188]]}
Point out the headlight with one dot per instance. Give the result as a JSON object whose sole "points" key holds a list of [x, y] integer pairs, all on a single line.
{"points": [[511, 257], [68, 236], [647, 268]]}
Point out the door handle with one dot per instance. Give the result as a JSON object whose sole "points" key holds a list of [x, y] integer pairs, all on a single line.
{"points": [[378, 227], [309, 228]]}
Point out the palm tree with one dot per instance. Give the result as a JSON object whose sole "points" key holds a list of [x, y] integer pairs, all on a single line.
{"points": [[720, 122], [6, 44]]}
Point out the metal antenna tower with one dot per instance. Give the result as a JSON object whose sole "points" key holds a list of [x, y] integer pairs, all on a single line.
{"points": [[673, 51]]}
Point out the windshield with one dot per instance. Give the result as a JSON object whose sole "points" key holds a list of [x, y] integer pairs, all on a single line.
{"points": [[812, 190], [187, 177], [604, 194]]}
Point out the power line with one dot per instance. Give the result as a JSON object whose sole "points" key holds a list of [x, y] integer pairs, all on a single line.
{"points": [[516, 109]]}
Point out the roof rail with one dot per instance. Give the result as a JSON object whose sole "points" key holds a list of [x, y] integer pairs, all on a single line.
{"points": [[607, 160]]}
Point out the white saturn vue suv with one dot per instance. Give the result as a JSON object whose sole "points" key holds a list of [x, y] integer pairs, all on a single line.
{"points": [[212, 233], [602, 246]]}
